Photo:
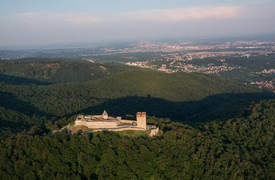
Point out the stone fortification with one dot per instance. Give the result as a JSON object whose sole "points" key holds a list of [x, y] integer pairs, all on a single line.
{"points": [[107, 122], [141, 120]]}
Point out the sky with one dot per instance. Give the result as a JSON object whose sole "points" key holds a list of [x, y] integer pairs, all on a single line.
{"points": [[40, 22]]}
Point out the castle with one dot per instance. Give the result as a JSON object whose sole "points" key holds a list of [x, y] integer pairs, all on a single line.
{"points": [[106, 122]]}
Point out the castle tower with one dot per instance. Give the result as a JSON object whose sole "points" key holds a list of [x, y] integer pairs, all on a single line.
{"points": [[141, 120], [105, 115]]}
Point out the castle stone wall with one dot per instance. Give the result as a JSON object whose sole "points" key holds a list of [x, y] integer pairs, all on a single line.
{"points": [[102, 124], [127, 121]]}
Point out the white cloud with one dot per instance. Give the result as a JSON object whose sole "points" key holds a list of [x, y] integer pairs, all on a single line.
{"points": [[72, 18], [49, 27], [154, 15], [184, 14]]}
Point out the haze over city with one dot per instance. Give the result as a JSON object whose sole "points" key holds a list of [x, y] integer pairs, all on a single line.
{"points": [[37, 22]]}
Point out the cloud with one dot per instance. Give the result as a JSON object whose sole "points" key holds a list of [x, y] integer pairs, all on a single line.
{"points": [[51, 27], [153, 15], [72, 18], [184, 14]]}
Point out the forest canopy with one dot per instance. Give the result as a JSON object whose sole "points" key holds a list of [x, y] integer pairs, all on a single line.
{"points": [[238, 148]]}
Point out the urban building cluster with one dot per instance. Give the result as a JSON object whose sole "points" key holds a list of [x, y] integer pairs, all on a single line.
{"points": [[241, 47], [176, 56], [265, 71], [179, 66], [265, 84]]}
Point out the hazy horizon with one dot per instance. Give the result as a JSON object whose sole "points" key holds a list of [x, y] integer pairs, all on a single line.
{"points": [[35, 22]]}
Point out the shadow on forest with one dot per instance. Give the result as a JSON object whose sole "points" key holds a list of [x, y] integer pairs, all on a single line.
{"points": [[11, 102], [14, 80], [12, 125], [217, 107]]}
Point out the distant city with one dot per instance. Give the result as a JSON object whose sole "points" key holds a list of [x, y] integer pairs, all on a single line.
{"points": [[181, 50], [206, 57]]}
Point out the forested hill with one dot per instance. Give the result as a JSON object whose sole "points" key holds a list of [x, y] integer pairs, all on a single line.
{"points": [[173, 87], [241, 148], [231, 137], [56, 70], [190, 98]]}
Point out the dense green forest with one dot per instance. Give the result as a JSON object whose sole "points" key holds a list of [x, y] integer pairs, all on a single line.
{"points": [[240, 148], [211, 128]]}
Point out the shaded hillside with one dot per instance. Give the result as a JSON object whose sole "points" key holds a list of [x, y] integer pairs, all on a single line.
{"points": [[182, 97], [15, 80], [220, 107], [58, 71], [63, 99]]}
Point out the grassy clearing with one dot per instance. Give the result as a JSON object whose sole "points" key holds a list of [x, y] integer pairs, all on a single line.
{"points": [[75, 129]]}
